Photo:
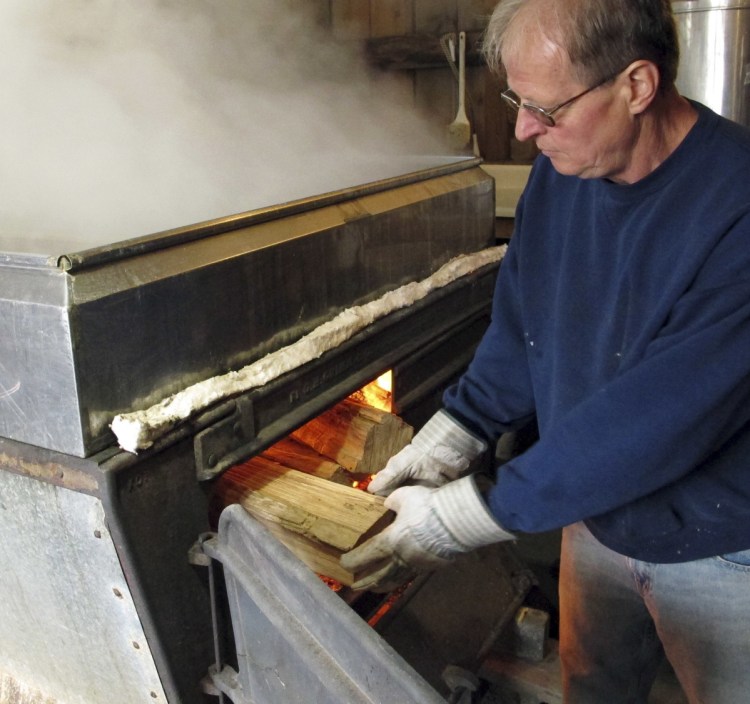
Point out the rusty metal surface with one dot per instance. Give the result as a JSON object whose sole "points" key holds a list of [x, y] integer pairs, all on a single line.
{"points": [[46, 467]]}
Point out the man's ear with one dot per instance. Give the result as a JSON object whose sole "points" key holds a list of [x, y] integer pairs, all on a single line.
{"points": [[643, 85]]}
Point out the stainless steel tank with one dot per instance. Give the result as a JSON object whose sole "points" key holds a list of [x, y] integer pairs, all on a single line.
{"points": [[715, 54]]}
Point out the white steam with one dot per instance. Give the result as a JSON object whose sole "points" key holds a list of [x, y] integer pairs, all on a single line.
{"points": [[120, 119]]}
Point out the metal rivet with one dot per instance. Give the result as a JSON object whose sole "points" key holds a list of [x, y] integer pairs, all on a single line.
{"points": [[117, 592], [212, 460], [136, 646]]}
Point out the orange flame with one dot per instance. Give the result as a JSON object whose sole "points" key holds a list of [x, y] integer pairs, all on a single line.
{"points": [[378, 393]]}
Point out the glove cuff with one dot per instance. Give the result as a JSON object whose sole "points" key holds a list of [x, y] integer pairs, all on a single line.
{"points": [[463, 512], [442, 429]]}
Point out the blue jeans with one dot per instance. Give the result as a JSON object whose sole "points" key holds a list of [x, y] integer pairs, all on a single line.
{"points": [[619, 617]]}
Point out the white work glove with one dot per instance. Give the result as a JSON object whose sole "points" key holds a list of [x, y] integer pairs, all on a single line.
{"points": [[439, 453], [432, 527]]}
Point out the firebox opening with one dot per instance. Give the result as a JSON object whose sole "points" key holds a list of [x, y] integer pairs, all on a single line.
{"points": [[310, 486]]}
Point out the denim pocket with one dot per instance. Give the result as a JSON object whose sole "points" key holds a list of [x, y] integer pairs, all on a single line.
{"points": [[738, 558]]}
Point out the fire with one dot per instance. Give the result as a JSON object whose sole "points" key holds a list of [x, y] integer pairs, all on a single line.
{"points": [[378, 393], [362, 482], [385, 381]]}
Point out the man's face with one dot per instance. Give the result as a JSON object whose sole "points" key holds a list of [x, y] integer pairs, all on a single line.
{"points": [[593, 137]]}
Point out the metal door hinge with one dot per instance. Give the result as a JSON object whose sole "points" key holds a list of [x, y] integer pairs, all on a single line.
{"points": [[214, 444], [220, 680]]}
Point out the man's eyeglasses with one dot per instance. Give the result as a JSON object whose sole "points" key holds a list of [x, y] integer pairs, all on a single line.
{"points": [[546, 115]]}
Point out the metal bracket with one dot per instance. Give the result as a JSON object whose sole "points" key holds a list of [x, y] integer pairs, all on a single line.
{"points": [[461, 683], [224, 681], [213, 444], [196, 554]]}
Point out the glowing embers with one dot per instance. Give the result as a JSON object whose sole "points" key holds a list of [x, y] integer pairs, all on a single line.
{"points": [[302, 488]]}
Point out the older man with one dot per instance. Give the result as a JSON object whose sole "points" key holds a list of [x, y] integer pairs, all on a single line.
{"points": [[621, 321]]}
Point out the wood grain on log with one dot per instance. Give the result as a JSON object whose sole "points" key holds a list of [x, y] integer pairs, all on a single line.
{"points": [[318, 520]]}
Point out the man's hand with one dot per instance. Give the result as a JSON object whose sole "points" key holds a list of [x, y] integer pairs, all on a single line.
{"points": [[396, 554], [439, 453], [432, 526]]}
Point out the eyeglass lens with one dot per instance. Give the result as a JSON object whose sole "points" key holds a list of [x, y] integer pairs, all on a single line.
{"points": [[538, 113]]}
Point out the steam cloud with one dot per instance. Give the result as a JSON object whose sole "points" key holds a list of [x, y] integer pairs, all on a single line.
{"points": [[122, 119]]}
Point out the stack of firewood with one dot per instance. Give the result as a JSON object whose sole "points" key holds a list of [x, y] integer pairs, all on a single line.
{"points": [[302, 487]]}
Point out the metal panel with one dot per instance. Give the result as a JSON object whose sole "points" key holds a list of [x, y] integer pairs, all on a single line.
{"points": [[715, 55], [296, 640], [36, 357], [122, 327], [69, 627]]}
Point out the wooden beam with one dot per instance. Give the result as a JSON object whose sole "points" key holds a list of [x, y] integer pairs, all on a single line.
{"points": [[493, 123], [436, 16], [474, 14], [418, 51], [391, 17]]}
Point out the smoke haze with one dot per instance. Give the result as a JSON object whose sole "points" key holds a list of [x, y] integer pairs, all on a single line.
{"points": [[122, 119]]}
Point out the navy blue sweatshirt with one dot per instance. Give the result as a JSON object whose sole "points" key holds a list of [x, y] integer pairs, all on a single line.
{"points": [[621, 320]]}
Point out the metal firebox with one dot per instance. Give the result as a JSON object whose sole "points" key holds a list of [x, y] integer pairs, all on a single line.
{"points": [[104, 598], [89, 334]]}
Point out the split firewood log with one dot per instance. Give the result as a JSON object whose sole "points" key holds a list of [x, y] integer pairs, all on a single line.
{"points": [[357, 436], [318, 520], [297, 455]]}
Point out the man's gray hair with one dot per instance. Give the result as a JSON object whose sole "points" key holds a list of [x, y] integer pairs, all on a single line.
{"points": [[600, 37]]}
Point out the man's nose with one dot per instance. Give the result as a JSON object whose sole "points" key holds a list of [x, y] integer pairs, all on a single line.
{"points": [[527, 126]]}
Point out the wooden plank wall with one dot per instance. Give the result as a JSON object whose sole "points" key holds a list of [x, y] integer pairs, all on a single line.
{"points": [[434, 86]]}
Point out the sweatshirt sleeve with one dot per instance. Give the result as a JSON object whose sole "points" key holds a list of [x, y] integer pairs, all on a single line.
{"points": [[495, 394]]}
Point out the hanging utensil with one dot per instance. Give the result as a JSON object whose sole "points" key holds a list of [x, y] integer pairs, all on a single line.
{"points": [[459, 131]]}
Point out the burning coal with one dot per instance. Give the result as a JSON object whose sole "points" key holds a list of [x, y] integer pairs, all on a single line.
{"points": [[130, 118]]}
